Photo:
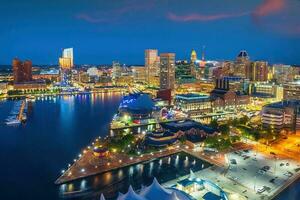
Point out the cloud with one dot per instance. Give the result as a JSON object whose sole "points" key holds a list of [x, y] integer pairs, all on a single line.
{"points": [[114, 14], [268, 7], [198, 17], [92, 19]]}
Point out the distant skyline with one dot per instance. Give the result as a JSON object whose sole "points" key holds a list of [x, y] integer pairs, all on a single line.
{"points": [[102, 31]]}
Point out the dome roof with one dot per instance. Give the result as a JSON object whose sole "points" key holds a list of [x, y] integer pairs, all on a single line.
{"points": [[194, 53], [139, 101], [243, 54]]}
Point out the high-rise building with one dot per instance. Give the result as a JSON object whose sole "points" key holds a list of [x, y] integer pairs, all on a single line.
{"points": [[242, 67], [139, 73], [66, 60], [22, 71], [284, 73], [259, 71], [116, 70], [167, 70], [193, 56], [152, 66]]}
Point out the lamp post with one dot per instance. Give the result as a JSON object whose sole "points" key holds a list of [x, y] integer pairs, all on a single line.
{"points": [[254, 183], [275, 164]]}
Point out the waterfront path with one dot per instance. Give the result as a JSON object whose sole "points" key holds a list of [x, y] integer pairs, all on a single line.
{"points": [[88, 164]]}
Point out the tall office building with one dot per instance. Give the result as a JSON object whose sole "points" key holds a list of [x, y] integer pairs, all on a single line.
{"points": [[259, 71], [152, 66], [167, 70], [116, 70], [66, 60], [242, 66], [22, 71]]}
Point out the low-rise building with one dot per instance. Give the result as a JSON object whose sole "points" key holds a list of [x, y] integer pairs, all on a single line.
{"points": [[31, 85], [224, 98], [284, 114], [193, 104], [267, 90], [291, 91]]}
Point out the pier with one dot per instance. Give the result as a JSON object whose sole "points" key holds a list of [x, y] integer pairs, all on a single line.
{"points": [[17, 114], [89, 165]]}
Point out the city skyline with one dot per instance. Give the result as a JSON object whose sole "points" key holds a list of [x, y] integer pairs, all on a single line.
{"points": [[268, 30]]}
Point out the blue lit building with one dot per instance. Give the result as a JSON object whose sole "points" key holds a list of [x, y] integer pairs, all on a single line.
{"points": [[137, 106]]}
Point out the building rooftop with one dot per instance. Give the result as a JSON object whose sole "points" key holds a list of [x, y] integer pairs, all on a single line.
{"points": [[187, 125], [192, 96], [283, 104]]}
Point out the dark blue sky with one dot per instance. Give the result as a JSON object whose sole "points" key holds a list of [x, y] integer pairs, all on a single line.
{"points": [[104, 30]]}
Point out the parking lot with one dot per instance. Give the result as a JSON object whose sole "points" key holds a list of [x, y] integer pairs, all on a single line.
{"points": [[261, 174]]}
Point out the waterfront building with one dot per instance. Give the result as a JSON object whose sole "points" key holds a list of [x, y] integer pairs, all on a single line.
{"points": [[31, 85], [22, 71], [167, 71], [193, 105], [136, 106], [66, 61], [165, 95], [224, 98], [47, 74], [124, 80], [161, 138], [291, 90], [201, 187], [3, 87], [139, 74], [152, 61], [192, 130], [284, 114]]}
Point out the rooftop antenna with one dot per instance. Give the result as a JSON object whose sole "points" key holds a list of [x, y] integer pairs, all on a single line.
{"points": [[203, 52]]}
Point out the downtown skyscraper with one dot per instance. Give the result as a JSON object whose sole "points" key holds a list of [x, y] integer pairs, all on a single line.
{"points": [[167, 71], [152, 67], [66, 60]]}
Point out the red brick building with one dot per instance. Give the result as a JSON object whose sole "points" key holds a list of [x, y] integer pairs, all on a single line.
{"points": [[225, 99]]}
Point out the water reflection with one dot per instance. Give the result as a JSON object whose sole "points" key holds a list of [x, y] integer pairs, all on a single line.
{"points": [[110, 183]]}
